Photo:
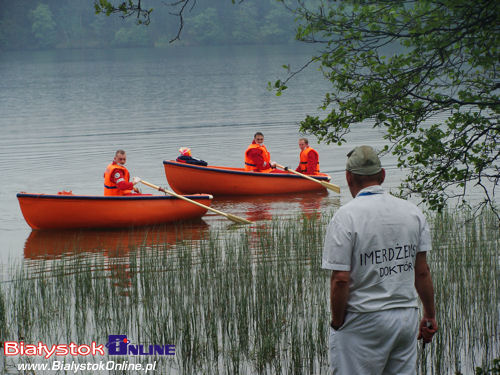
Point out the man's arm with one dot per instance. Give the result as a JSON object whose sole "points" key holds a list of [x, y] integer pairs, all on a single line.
{"points": [[339, 293], [118, 178], [425, 290]]}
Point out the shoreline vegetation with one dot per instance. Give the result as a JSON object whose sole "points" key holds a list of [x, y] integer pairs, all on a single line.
{"points": [[57, 24], [245, 301]]}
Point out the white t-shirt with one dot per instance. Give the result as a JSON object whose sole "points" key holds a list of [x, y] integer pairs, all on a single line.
{"points": [[376, 237]]}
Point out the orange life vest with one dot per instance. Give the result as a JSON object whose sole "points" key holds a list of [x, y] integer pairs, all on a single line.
{"points": [[303, 159], [110, 187], [249, 166]]}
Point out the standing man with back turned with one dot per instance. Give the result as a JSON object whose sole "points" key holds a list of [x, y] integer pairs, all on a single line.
{"points": [[376, 247], [309, 158], [116, 177]]}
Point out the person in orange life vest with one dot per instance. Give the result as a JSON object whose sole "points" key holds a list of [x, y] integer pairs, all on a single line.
{"points": [[257, 158], [116, 177], [309, 158], [185, 157]]}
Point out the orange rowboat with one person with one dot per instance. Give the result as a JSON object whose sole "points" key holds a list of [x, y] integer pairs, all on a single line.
{"points": [[224, 181], [43, 211]]}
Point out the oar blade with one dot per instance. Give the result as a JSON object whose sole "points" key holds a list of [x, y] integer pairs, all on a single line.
{"points": [[238, 219], [330, 186]]}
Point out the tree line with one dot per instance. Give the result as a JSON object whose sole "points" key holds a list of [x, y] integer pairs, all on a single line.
{"points": [[49, 24]]}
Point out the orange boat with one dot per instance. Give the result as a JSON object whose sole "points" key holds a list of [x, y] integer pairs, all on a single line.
{"points": [[187, 179], [43, 211]]}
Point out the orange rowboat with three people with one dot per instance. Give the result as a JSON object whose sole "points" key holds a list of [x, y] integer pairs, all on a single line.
{"points": [[186, 178]]}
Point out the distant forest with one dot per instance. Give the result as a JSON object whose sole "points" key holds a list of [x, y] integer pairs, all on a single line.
{"points": [[49, 24]]}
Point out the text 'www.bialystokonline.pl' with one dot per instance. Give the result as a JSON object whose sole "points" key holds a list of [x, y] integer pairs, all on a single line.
{"points": [[76, 367]]}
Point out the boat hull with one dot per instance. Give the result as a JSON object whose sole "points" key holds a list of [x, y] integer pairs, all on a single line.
{"points": [[43, 211], [221, 181]]}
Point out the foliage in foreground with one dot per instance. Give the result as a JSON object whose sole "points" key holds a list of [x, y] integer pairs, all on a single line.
{"points": [[426, 72]]}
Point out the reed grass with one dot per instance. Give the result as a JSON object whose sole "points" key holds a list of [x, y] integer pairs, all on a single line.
{"points": [[466, 275], [247, 301]]}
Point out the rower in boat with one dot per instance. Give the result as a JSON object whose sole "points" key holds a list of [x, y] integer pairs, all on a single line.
{"points": [[257, 158], [117, 176], [309, 158]]}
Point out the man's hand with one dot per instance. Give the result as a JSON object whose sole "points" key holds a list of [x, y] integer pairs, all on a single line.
{"points": [[335, 326], [273, 164], [428, 327], [136, 180]]}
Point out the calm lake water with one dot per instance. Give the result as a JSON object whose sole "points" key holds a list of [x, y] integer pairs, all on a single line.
{"points": [[64, 113]]}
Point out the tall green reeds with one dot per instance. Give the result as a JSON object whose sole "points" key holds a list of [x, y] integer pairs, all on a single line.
{"points": [[466, 274], [247, 301]]}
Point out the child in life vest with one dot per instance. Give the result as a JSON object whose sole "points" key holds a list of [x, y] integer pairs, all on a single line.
{"points": [[185, 157]]}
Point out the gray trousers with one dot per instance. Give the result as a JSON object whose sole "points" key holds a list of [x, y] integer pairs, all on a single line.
{"points": [[382, 342]]}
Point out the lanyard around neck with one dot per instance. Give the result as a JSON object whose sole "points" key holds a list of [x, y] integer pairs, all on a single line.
{"points": [[367, 193]]}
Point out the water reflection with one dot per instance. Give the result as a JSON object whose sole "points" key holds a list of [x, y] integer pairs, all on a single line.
{"points": [[109, 243], [268, 207]]}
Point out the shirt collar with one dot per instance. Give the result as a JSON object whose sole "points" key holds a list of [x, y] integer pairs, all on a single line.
{"points": [[374, 189]]}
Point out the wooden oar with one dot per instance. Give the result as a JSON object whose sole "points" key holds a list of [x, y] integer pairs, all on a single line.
{"points": [[234, 218], [328, 185]]}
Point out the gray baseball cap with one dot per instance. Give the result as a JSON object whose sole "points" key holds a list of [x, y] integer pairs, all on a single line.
{"points": [[363, 160]]}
